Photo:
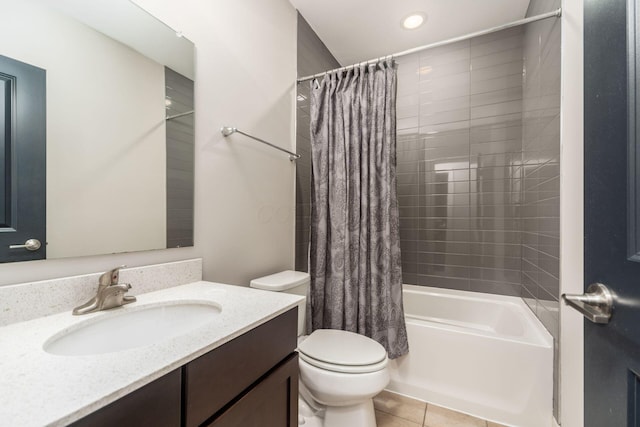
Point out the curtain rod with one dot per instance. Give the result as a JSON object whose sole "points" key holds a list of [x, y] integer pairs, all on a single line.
{"points": [[555, 13]]}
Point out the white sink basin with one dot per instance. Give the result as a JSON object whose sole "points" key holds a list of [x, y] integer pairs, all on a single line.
{"points": [[120, 329]]}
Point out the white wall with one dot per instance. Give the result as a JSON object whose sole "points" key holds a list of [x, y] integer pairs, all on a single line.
{"points": [[100, 130], [245, 75], [571, 215], [124, 21]]}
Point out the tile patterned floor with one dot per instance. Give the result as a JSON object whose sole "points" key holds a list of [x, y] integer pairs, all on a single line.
{"points": [[394, 410]]}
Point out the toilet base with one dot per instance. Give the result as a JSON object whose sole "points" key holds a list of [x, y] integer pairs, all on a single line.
{"points": [[307, 416], [361, 415]]}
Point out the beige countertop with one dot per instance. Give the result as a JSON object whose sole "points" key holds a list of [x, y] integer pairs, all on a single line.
{"points": [[38, 388]]}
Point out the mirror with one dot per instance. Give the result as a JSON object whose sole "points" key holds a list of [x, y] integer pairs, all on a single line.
{"points": [[119, 123]]}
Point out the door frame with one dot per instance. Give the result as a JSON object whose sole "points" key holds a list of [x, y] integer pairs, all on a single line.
{"points": [[571, 376]]}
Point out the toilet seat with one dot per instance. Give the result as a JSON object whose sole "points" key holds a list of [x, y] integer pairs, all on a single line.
{"points": [[342, 351], [347, 369]]}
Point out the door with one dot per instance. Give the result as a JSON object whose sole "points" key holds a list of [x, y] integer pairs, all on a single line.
{"points": [[612, 350], [22, 161]]}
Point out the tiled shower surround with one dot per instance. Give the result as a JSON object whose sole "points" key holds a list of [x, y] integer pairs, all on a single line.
{"points": [[478, 165], [460, 164], [478, 162], [540, 210], [478, 170]]}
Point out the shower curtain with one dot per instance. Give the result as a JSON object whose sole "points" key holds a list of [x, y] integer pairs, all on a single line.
{"points": [[356, 276]]}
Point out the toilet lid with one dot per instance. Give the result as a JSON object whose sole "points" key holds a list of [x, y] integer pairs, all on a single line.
{"points": [[342, 351], [282, 281]]}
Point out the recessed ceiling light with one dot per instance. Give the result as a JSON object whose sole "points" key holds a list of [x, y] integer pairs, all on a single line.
{"points": [[413, 21]]}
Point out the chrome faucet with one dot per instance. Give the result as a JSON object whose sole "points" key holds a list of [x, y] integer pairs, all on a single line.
{"points": [[110, 294]]}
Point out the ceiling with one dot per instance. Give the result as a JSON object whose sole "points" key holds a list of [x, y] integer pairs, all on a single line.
{"points": [[357, 30]]}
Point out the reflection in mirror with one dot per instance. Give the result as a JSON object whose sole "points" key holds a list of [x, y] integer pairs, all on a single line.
{"points": [[119, 174]]}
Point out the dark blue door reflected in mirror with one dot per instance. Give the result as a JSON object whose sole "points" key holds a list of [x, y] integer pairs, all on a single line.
{"points": [[6, 88], [22, 161]]}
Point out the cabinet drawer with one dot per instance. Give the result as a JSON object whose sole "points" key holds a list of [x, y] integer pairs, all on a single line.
{"points": [[271, 403], [216, 378], [156, 404]]}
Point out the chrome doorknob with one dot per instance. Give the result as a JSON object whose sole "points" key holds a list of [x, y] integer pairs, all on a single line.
{"points": [[30, 245], [596, 304]]}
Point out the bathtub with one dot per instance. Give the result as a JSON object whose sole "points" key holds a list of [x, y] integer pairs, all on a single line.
{"points": [[484, 355]]}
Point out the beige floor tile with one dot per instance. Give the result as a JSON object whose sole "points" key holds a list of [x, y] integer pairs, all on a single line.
{"points": [[441, 417], [387, 420], [400, 406]]}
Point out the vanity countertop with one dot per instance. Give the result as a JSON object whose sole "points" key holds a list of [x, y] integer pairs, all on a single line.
{"points": [[39, 388]]}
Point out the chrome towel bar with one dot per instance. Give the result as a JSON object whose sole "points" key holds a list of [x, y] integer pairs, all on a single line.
{"points": [[228, 130], [186, 113]]}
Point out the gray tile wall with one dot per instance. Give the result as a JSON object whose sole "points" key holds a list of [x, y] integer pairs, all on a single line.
{"points": [[478, 166], [459, 164], [180, 160], [313, 57], [541, 172], [541, 158]]}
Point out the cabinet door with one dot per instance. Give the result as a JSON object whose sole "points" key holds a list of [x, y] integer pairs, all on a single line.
{"points": [[273, 402], [157, 404], [218, 377]]}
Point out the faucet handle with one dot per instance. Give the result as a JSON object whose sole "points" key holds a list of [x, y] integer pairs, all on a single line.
{"points": [[110, 277], [115, 274]]}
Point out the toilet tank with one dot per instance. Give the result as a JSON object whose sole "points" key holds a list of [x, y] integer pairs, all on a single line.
{"points": [[290, 282]]}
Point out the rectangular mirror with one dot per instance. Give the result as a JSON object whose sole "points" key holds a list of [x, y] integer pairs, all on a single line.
{"points": [[119, 125]]}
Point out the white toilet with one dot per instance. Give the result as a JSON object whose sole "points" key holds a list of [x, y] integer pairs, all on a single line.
{"points": [[340, 371]]}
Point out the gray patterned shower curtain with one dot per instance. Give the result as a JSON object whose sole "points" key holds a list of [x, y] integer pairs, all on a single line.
{"points": [[356, 275]]}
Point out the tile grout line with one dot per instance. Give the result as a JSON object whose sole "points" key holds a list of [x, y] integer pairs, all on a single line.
{"points": [[424, 416]]}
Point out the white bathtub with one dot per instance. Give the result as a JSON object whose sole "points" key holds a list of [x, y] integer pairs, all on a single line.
{"points": [[485, 355]]}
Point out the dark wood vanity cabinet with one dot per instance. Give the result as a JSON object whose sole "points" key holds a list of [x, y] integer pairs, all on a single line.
{"points": [[250, 381], [156, 404], [214, 380]]}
